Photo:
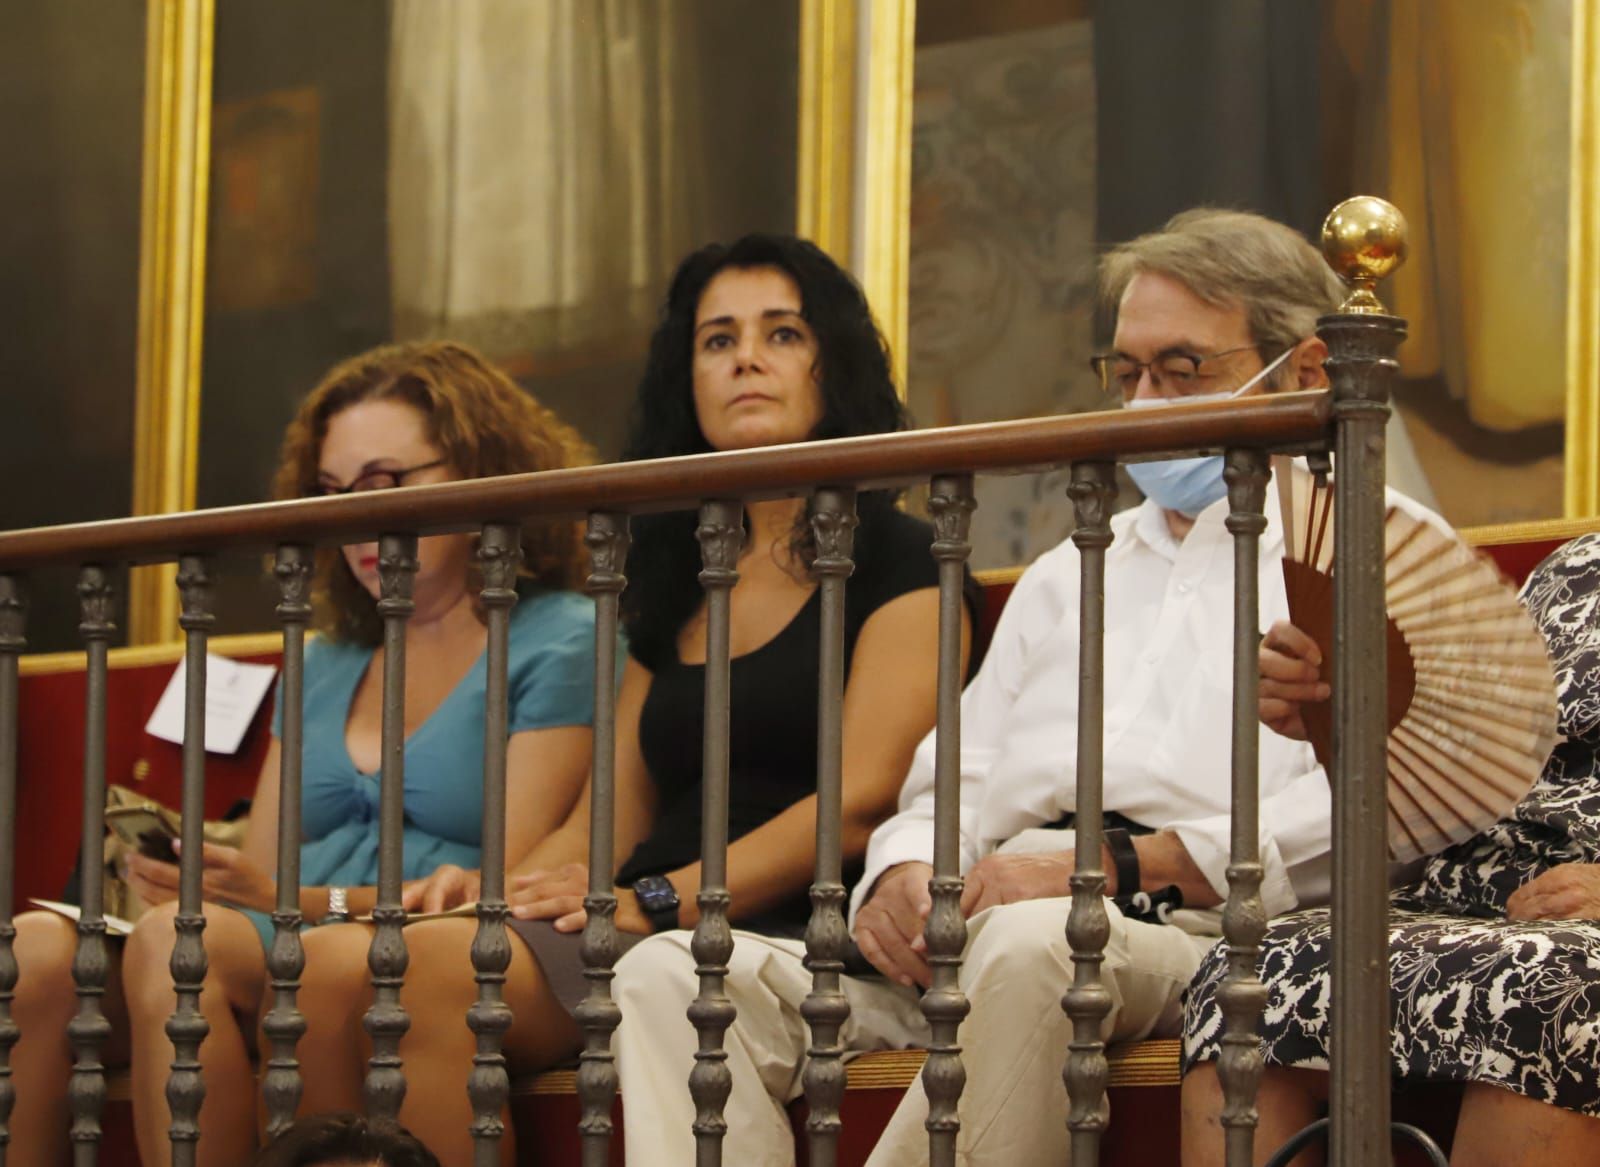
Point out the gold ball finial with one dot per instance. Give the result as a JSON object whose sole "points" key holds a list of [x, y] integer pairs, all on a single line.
{"points": [[1363, 240]]}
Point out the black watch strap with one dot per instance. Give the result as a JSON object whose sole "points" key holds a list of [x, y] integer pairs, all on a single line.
{"points": [[1125, 861], [658, 900]]}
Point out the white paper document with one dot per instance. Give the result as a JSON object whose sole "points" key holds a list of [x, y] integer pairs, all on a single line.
{"points": [[115, 925], [234, 691]]}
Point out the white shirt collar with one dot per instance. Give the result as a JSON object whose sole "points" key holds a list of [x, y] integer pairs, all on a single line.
{"points": [[1150, 528]]}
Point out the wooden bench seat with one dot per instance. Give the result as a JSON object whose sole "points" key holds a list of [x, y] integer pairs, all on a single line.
{"points": [[1142, 1063], [1143, 1087]]}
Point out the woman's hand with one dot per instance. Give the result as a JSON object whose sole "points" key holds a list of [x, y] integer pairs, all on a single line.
{"points": [[550, 895], [152, 880], [448, 886], [1568, 892], [1290, 662], [557, 896], [227, 876]]}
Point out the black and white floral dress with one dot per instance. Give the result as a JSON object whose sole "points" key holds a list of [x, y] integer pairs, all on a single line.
{"points": [[1476, 998]]}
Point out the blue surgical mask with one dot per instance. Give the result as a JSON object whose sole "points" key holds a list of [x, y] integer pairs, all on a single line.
{"points": [[1188, 485]]}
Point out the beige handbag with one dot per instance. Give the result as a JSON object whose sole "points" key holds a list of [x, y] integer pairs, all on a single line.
{"points": [[134, 821]]}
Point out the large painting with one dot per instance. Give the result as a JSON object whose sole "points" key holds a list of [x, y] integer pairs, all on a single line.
{"points": [[71, 88], [521, 177], [1001, 297], [1044, 133]]}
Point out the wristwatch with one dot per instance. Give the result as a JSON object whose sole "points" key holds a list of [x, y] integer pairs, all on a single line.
{"points": [[658, 900], [338, 906], [1152, 907]]}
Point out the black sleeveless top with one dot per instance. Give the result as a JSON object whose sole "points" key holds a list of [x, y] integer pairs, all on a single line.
{"points": [[772, 740]]}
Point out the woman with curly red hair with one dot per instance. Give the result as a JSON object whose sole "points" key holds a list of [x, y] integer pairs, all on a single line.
{"points": [[400, 415]]}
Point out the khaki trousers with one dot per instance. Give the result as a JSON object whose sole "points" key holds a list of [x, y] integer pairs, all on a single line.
{"points": [[766, 1044], [1014, 1042], [1014, 1108]]}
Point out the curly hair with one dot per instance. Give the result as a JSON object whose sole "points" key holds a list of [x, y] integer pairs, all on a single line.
{"points": [[345, 1140], [483, 425], [858, 397]]}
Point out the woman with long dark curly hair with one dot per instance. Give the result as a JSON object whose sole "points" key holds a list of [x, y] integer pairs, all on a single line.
{"points": [[856, 397], [761, 342], [398, 415]]}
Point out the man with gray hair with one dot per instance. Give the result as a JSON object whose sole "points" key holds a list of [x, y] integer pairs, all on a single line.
{"points": [[1216, 304]]}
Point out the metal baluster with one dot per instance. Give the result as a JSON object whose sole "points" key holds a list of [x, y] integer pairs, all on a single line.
{"points": [[489, 1086], [89, 1029], [950, 502], [386, 1021], [597, 1013], [721, 535], [826, 1009], [1244, 920], [1093, 490], [1361, 364], [286, 960], [186, 1090], [13, 622]]}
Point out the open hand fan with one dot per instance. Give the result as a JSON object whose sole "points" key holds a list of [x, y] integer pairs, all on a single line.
{"points": [[1471, 710]]}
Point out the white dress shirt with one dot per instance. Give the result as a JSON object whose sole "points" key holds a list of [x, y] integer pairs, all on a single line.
{"points": [[1168, 712]]}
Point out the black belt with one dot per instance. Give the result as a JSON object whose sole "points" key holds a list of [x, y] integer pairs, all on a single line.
{"points": [[1113, 821]]}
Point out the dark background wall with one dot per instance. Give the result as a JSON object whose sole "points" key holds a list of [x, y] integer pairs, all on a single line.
{"points": [[71, 104], [1208, 103], [297, 245]]}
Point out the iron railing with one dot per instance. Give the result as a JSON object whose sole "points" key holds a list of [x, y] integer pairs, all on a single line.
{"points": [[1349, 419]]}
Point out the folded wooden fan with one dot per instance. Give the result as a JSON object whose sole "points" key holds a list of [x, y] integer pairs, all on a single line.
{"points": [[1471, 710]]}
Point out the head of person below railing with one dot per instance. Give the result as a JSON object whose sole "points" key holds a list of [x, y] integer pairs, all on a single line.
{"points": [[748, 325], [345, 1140]]}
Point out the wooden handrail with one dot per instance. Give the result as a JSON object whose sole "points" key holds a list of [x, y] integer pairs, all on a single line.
{"points": [[1279, 421]]}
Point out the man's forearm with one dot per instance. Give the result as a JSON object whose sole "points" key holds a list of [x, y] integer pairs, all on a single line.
{"points": [[1164, 861]]}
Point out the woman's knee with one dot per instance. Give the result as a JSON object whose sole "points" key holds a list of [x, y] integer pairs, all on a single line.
{"points": [[441, 983], [147, 961], [233, 969], [44, 947], [1280, 1090], [336, 969]]}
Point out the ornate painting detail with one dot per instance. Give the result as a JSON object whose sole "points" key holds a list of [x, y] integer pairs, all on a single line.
{"points": [[264, 207], [1002, 228]]}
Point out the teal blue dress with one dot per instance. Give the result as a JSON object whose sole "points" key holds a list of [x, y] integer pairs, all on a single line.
{"points": [[551, 679]]}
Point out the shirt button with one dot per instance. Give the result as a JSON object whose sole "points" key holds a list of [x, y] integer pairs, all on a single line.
{"points": [[1185, 587]]}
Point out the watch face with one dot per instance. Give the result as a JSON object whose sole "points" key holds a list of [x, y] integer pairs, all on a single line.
{"points": [[655, 893]]}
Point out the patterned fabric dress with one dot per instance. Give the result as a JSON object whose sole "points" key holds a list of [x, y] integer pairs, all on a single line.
{"points": [[1476, 998]]}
